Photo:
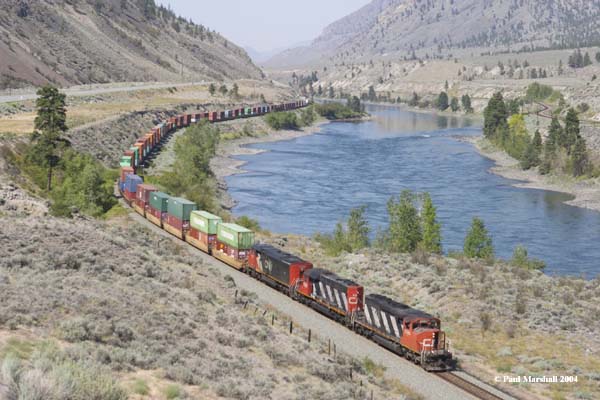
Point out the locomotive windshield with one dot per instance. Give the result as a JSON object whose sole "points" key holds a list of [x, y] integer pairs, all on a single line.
{"points": [[426, 324]]}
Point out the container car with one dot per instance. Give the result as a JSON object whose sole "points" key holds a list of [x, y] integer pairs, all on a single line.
{"points": [[203, 230], [234, 245], [157, 208], [178, 216], [142, 198], [131, 183]]}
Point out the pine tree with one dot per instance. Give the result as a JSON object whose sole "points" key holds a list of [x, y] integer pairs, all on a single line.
{"points": [[495, 115], [586, 60], [466, 103], [571, 132], [442, 101], [235, 91], [537, 142], [50, 123], [372, 96], [454, 104], [212, 89], [579, 158], [405, 225], [331, 93], [414, 100], [432, 237], [358, 229], [478, 243]]}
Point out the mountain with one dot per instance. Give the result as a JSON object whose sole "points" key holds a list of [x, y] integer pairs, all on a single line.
{"points": [[70, 42], [261, 56], [442, 28]]}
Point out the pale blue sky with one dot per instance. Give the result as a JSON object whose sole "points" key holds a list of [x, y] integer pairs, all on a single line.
{"points": [[265, 24]]}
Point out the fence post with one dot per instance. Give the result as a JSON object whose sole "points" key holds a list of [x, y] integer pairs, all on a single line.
{"points": [[291, 327]]}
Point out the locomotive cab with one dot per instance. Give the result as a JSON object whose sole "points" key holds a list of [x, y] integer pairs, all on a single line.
{"points": [[424, 337]]}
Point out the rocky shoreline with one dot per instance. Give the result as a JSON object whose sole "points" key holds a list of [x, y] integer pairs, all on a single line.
{"points": [[586, 193]]}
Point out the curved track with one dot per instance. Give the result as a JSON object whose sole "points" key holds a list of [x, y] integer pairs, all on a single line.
{"points": [[415, 377]]}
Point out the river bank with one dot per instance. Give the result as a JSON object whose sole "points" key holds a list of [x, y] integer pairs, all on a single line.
{"points": [[586, 193], [225, 163]]}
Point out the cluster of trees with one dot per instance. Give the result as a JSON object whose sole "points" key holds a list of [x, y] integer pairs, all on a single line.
{"points": [[564, 150], [579, 60], [191, 176], [73, 181], [333, 111], [413, 227], [282, 120], [234, 92], [408, 228]]}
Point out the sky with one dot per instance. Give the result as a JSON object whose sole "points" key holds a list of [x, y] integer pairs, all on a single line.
{"points": [[265, 25]]}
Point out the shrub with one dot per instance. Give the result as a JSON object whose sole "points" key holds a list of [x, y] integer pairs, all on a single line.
{"points": [[173, 392], [140, 387], [521, 259], [249, 223]]}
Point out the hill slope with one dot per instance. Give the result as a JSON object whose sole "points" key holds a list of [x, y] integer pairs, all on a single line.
{"points": [[86, 41], [409, 28]]}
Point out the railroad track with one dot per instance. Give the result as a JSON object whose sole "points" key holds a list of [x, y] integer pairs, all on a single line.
{"points": [[469, 387]]}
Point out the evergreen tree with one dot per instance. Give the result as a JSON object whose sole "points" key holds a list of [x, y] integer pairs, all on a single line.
{"points": [[586, 60], [372, 96], [320, 90], [466, 103], [495, 115], [442, 101], [358, 229], [212, 89], [478, 243], [405, 227], [555, 133], [560, 67], [571, 132], [454, 104], [339, 239], [432, 237], [331, 93], [414, 100], [579, 158], [50, 124], [223, 90], [537, 142], [235, 90]]}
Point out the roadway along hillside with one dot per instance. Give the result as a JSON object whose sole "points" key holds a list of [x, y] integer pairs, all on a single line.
{"points": [[92, 91], [410, 375]]}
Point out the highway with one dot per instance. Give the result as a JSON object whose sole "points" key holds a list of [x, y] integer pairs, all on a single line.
{"points": [[91, 90]]}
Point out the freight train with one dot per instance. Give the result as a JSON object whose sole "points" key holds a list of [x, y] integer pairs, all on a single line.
{"points": [[398, 327]]}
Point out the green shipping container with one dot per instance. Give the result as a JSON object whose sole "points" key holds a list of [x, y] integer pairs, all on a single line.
{"points": [[125, 161], [235, 236], [181, 208], [159, 201], [248, 111], [205, 222]]}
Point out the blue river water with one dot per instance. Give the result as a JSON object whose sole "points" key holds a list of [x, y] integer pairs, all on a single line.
{"points": [[306, 185]]}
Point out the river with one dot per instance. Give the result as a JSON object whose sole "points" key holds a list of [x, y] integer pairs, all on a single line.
{"points": [[306, 185]]}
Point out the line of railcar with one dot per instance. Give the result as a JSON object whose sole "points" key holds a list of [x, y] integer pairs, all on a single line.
{"points": [[398, 327]]}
